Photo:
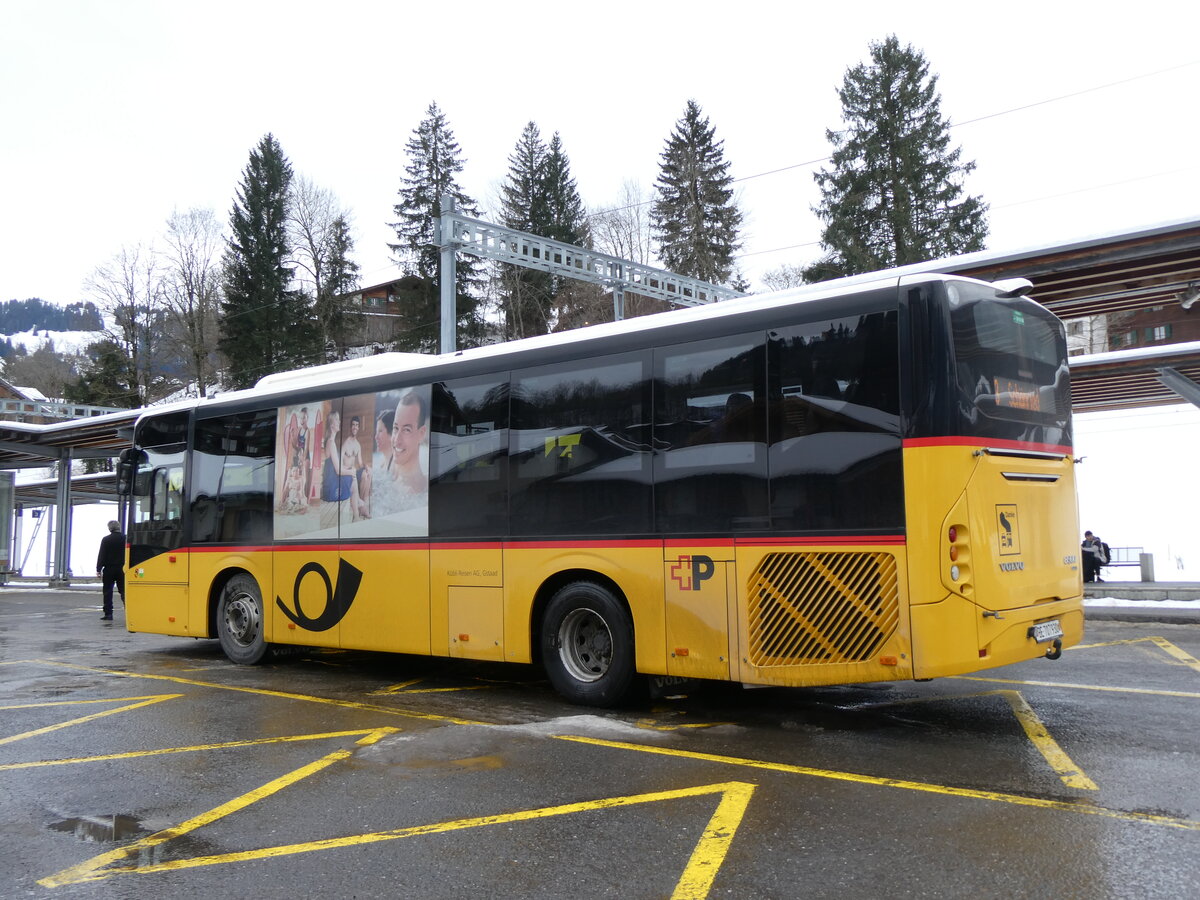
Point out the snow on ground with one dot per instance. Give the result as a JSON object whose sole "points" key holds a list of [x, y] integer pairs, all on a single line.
{"points": [[1157, 604], [64, 341]]}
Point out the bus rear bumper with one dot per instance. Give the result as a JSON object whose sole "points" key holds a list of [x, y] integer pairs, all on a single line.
{"points": [[987, 639]]}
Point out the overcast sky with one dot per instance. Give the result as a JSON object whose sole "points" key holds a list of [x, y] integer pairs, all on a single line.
{"points": [[116, 113], [113, 114]]}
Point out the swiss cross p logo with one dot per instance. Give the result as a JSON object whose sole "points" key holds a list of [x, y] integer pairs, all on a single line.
{"points": [[689, 571]]}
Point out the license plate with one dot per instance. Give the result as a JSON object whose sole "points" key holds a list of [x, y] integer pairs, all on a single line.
{"points": [[1045, 631]]}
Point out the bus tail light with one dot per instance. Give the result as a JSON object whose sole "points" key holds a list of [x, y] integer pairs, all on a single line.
{"points": [[959, 554]]}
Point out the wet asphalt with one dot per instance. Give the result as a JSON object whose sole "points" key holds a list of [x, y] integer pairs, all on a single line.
{"points": [[146, 766]]}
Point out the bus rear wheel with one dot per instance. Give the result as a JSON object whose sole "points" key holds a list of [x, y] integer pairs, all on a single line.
{"points": [[587, 645], [240, 621]]}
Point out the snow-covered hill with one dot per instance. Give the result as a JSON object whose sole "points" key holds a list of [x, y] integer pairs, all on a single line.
{"points": [[64, 341]]}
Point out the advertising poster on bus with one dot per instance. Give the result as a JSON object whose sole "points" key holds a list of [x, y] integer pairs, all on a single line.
{"points": [[354, 467]]}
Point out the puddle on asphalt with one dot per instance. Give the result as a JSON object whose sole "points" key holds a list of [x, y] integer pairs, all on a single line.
{"points": [[101, 829]]}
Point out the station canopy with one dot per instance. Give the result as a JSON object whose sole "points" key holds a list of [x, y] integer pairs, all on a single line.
{"points": [[1122, 272]]}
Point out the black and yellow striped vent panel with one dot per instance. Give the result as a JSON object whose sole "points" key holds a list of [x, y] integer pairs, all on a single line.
{"points": [[821, 608]]}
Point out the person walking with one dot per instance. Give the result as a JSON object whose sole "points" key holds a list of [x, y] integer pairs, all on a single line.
{"points": [[110, 566]]}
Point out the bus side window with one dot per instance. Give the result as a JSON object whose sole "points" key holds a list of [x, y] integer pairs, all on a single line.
{"points": [[835, 445], [468, 458], [579, 463], [710, 463]]}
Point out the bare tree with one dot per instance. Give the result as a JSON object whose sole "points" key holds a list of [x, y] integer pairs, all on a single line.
{"points": [[191, 291], [623, 230], [319, 234], [310, 226], [786, 276], [129, 289]]}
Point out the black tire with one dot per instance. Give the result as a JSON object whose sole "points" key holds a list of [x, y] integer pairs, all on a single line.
{"points": [[240, 621], [587, 645]]}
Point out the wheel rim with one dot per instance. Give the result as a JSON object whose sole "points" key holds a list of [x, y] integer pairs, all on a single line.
{"points": [[585, 645], [242, 619]]}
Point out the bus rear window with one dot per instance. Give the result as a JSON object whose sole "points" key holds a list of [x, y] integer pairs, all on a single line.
{"points": [[1009, 357]]}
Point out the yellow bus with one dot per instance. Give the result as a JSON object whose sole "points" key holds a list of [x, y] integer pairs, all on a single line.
{"points": [[870, 480]]}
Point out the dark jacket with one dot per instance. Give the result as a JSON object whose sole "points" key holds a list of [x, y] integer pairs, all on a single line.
{"points": [[112, 551]]}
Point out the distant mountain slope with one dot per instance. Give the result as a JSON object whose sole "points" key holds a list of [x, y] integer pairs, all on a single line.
{"points": [[17, 316]]}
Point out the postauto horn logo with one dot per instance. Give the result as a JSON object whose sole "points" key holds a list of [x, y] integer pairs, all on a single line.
{"points": [[337, 597]]}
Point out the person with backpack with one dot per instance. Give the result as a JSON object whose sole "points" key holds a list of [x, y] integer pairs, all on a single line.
{"points": [[1091, 551], [1103, 555]]}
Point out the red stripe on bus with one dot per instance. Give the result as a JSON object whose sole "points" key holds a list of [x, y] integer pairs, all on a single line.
{"points": [[840, 541], [583, 545], [667, 543], [984, 442]]}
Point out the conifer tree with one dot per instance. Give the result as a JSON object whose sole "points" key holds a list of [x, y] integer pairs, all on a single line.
{"points": [[523, 196], [266, 326], [565, 215], [525, 293], [572, 300], [334, 318], [539, 196], [893, 194], [695, 219], [434, 162]]}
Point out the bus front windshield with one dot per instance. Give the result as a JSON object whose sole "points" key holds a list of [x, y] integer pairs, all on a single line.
{"points": [[1011, 377]]}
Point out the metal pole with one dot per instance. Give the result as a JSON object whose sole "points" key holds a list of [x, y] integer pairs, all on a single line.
{"points": [[48, 518], [18, 520], [62, 534], [447, 274]]}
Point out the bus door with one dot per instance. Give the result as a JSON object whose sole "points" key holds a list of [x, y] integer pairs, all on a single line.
{"points": [[701, 632], [157, 570]]}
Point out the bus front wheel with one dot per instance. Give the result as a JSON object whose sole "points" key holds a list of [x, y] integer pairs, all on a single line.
{"points": [[587, 645], [240, 621]]}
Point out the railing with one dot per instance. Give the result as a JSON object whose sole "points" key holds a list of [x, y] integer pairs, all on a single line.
{"points": [[1126, 556], [50, 409]]}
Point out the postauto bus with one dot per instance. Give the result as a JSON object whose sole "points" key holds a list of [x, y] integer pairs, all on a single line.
{"points": [[870, 480]]}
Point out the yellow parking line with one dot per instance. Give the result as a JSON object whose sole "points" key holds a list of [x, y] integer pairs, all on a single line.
{"points": [[1079, 687], [1100, 644], [1084, 808], [652, 725], [396, 688], [406, 687], [1181, 655], [1035, 730], [308, 698], [1070, 773], [696, 881], [710, 852], [90, 869], [82, 702], [225, 745], [93, 716]]}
